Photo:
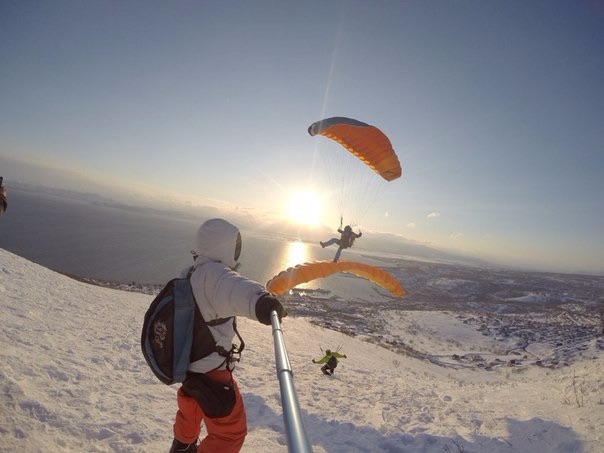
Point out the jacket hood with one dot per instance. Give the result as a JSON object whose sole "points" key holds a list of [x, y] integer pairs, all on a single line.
{"points": [[219, 240]]}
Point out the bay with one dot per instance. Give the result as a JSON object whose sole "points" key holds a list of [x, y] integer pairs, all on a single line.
{"points": [[93, 240]]}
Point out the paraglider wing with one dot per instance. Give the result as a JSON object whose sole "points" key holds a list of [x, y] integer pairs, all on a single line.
{"points": [[306, 272], [366, 142]]}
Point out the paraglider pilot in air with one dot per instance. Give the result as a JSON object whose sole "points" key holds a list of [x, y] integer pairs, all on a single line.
{"points": [[331, 361], [347, 238]]}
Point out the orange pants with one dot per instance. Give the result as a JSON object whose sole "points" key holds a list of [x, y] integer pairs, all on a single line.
{"points": [[225, 434]]}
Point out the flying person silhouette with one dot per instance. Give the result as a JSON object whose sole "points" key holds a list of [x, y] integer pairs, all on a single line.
{"points": [[346, 240]]}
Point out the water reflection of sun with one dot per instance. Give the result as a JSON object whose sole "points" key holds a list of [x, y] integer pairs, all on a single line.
{"points": [[296, 253]]}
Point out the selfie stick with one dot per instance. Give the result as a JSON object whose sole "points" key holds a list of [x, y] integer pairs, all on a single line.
{"points": [[294, 428]]}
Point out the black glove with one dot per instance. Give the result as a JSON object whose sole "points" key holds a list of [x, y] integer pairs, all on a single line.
{"points": [[265, 305], [345, 356]]}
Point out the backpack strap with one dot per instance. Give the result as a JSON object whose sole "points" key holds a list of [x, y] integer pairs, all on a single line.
{"points": [[190, 272], [202, 344], [234, 354]]}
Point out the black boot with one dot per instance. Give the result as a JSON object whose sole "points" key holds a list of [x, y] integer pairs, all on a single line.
{"points": [[179, 447]]}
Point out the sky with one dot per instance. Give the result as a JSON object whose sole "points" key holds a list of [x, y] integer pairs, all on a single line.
{"points": [[493, 108], [95, 393]]}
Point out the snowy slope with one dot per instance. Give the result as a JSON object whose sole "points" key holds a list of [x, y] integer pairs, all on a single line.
{"points": [[72, 378]]}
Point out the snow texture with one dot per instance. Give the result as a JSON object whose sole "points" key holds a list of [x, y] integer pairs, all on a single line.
{"points": [[73, 378]]}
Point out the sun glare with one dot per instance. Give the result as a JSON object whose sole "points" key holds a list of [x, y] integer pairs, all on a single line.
{"points": [[304, 207]]}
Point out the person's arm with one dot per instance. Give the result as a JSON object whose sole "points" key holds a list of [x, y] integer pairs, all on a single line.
{"points": [[339, 356], [323, 360], [222, 293]]}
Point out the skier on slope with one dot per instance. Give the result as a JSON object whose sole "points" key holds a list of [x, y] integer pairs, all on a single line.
{"points": [[330, 360]]}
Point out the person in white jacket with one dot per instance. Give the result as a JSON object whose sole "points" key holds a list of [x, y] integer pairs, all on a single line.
{"points": [[209, 392]]}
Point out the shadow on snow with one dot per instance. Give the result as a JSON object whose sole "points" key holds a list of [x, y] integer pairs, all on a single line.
{"points": [[339, 437]]}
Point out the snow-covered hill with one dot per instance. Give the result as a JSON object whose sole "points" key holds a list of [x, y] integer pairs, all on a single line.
{"points": [[72, 378]]}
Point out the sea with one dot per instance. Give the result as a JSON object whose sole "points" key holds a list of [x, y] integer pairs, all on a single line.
{"points": [[121, 244]]}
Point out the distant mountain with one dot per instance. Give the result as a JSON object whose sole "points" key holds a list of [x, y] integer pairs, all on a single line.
{"points": [[397, 245]]}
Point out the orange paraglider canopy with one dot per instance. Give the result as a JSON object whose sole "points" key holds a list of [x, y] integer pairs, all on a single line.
{"points": [[306, 272], [366, 142]]}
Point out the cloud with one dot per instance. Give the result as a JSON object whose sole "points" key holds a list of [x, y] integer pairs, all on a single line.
{"points": [[456, 236], [411, 225], [433, 215]]}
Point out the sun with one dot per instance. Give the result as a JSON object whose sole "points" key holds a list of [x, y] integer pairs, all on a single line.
{"points": [[304, 207]]}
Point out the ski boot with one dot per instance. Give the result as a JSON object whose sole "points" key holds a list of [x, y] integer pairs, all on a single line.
{"points": [[180, 447]]}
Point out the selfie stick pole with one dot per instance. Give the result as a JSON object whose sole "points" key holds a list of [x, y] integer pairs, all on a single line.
{"points": [[294, 428]]}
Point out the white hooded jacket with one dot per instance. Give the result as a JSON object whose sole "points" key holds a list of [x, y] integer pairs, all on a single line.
{"points": [[220, 292]]}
